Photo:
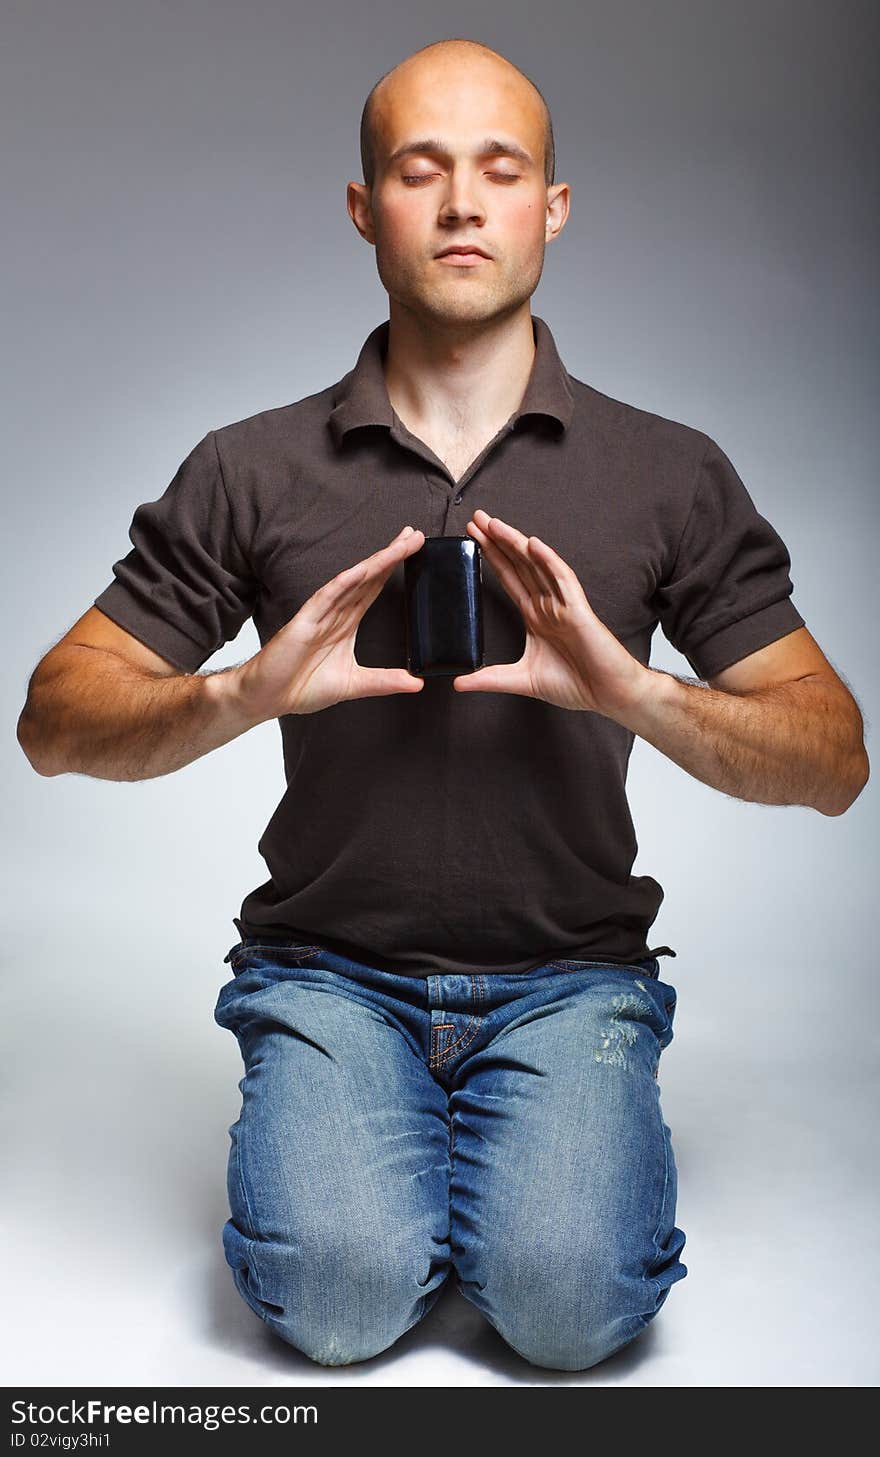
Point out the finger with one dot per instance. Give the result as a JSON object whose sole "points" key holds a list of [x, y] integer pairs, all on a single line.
{"points": [[521, 591], [517, 543], [498, 678], [566, 583], [377, 682], [351, 590], [542, 568], [559, 580], [513, 545], [502, 537], [368, 589], [350, 578]]}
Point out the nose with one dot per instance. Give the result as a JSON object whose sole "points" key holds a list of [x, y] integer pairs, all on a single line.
{"points": [[461, 199]]}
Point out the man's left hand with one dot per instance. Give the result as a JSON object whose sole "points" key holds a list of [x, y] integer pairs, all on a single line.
{"points": [[570, 659]]}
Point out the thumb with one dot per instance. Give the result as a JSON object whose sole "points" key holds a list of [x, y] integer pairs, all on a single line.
{"points": [[375, 682], [498, 678]]}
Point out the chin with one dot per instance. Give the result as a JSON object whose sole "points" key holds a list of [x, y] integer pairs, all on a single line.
{"points": [[464, 305]]}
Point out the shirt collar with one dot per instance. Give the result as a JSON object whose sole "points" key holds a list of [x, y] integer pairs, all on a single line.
{"points": [[362, 397]]}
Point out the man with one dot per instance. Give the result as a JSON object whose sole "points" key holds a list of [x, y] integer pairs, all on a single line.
{"points": [[449, 1016]]}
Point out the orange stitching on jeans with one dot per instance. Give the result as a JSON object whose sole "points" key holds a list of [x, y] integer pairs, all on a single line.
{"points": [[434, 1053], [461, 1043], [470, 1030]]}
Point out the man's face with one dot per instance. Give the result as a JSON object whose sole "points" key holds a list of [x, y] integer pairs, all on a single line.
{"points": [[427, 199]]}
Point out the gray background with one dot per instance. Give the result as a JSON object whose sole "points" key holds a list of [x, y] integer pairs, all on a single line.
{"points": [[179, 257]]}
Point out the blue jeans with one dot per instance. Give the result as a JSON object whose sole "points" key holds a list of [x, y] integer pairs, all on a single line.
{"points": [[394, 1129]]}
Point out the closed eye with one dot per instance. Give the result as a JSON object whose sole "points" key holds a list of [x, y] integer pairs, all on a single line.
{"points": [[497, 176]]}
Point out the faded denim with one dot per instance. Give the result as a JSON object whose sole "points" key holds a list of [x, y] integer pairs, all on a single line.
{"points": [[396, 1130]]}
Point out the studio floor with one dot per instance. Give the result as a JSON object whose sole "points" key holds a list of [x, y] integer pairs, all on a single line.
{"points": [[119, 1092]]}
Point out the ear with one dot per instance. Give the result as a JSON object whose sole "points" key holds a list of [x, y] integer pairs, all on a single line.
{"points": [[558, 202], [360, 210]]}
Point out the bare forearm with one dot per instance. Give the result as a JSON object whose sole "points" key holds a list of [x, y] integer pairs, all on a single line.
{"points": [[94, 713], [792, 743]]}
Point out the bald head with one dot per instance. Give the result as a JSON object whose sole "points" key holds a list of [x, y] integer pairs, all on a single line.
{"points": [[440, 56]]}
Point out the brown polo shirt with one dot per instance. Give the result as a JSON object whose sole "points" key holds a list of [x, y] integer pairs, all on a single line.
{"points": [[447, 832]]}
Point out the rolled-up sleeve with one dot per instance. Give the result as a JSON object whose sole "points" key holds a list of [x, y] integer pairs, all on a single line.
{"points": [[728, 592], [186, 587]]}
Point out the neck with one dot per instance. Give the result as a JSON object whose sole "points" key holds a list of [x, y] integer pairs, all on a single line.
{"points": [[461, 377]]}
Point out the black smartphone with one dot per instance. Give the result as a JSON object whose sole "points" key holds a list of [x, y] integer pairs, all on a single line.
{"points": [[444, 607]]}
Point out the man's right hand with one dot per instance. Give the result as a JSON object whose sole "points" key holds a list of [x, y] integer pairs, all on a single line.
{"points": [[310, 664]]}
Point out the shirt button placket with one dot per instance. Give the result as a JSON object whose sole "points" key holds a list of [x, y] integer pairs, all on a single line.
{"points": [[451, 516]]}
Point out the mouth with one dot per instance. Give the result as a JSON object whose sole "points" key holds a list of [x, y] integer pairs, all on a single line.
{"points": [[465, 256]]}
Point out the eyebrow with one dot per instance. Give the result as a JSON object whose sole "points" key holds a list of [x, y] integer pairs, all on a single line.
{"points": [[490, 147]]}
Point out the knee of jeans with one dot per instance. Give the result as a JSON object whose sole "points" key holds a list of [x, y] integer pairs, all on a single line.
{"points": [[555, 1350], [572, 1335], [336, 1302], [566, 1314]]}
